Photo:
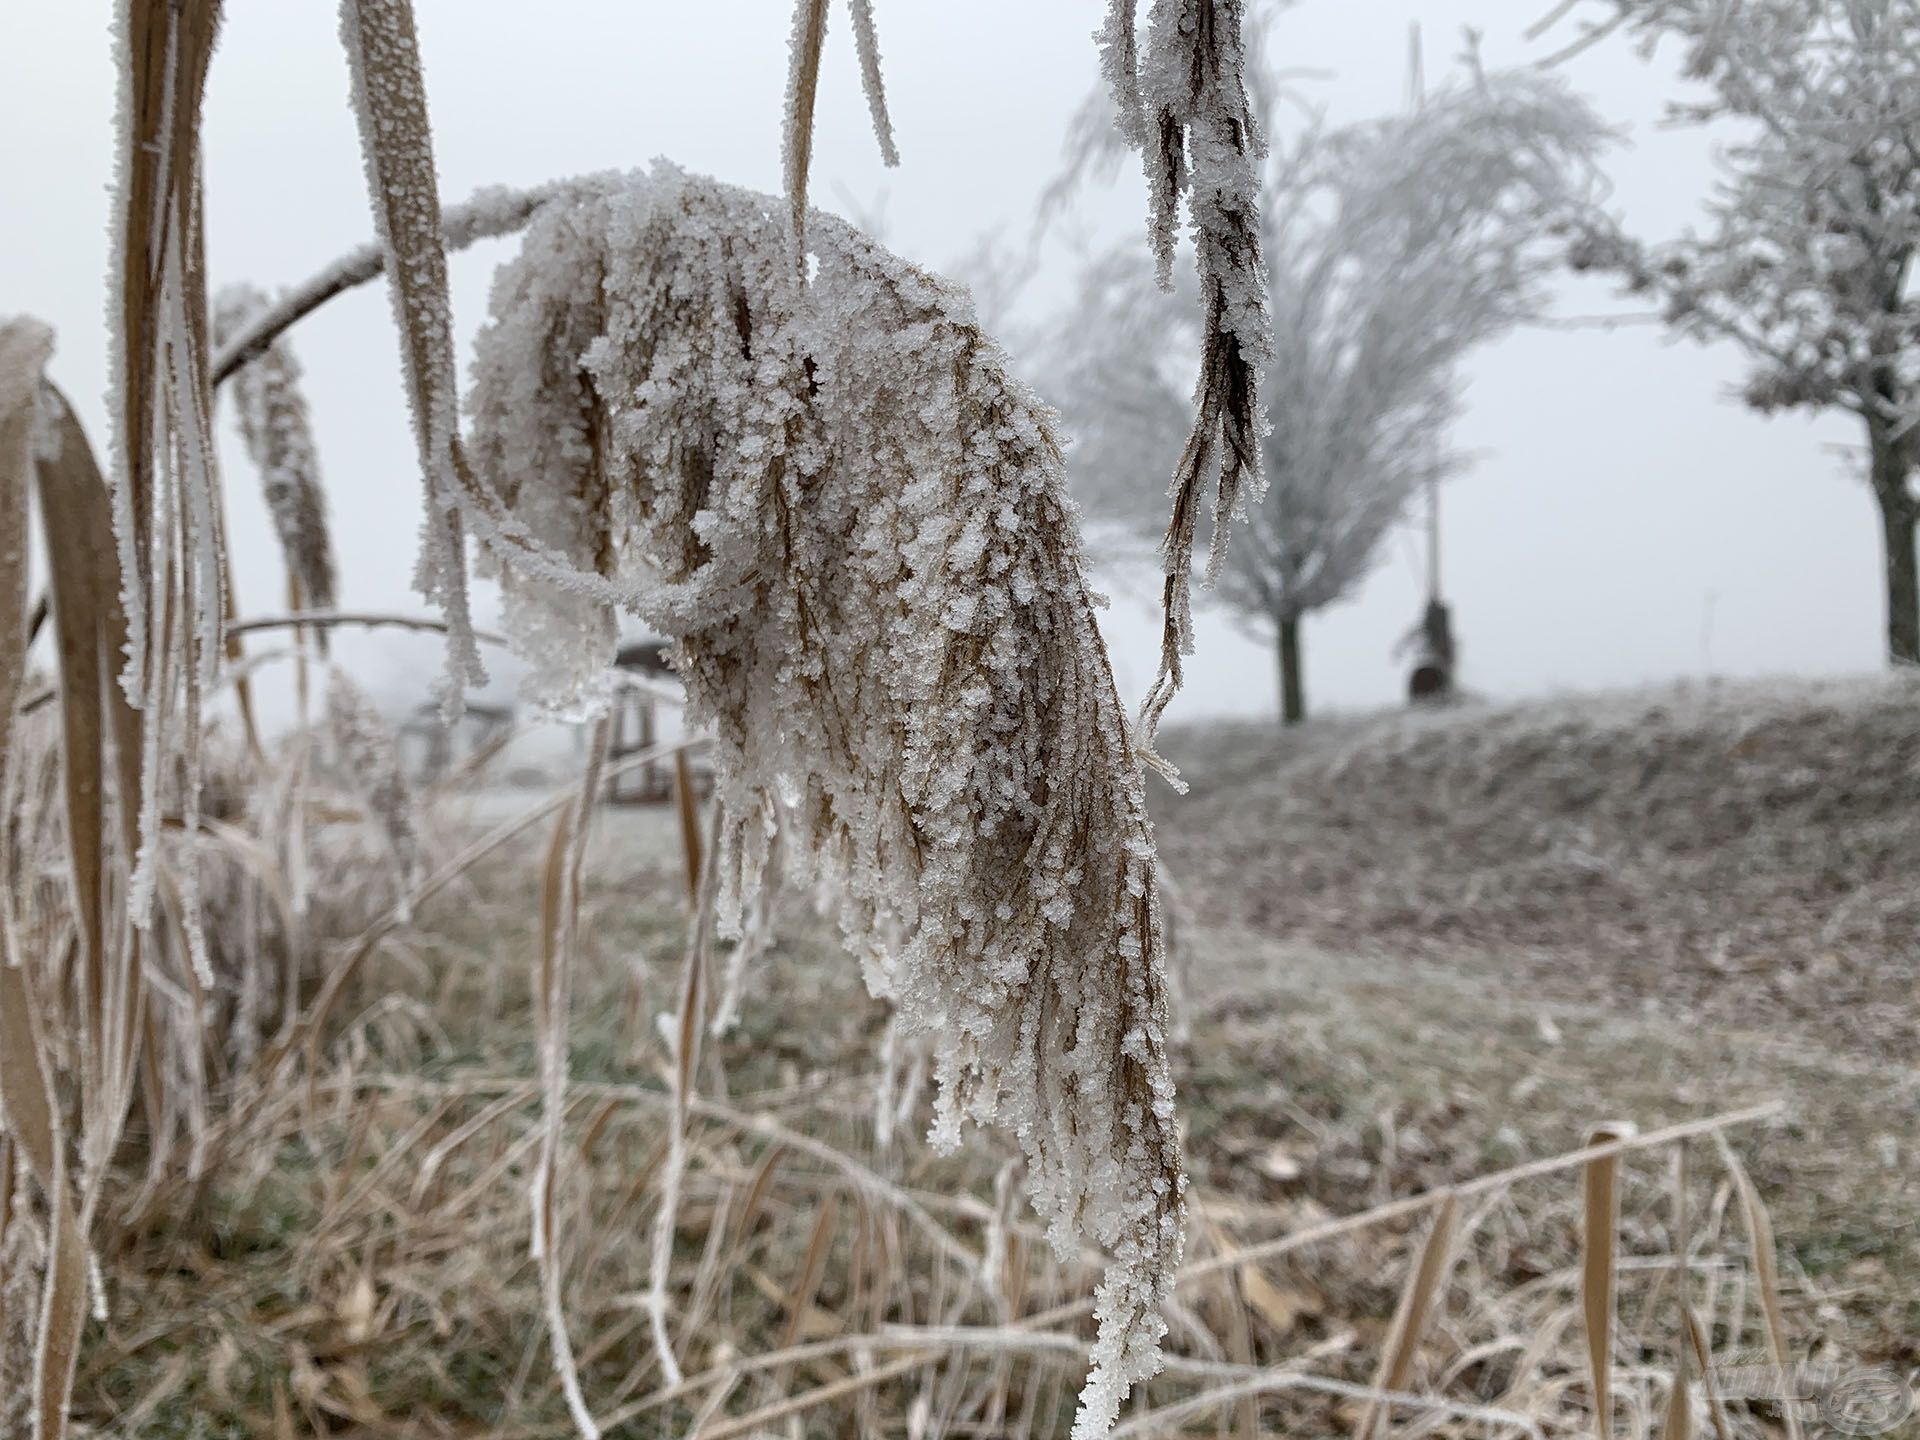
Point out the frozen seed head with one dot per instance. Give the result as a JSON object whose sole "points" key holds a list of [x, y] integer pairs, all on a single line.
{"points": [[854, 526]]}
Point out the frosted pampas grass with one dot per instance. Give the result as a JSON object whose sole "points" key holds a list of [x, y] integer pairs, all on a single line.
{"points": [[854, 525], [271, 413], [1180, 99]]}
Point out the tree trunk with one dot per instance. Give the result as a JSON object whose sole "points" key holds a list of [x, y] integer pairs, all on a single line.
{"points": [[1293, 693], [1898, 512], [1897, 516]]}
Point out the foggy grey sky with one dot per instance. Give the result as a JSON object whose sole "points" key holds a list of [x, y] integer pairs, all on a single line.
{"points": [[1625, 520]]}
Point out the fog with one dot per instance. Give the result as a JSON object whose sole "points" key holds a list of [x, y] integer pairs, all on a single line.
{"points": [[1625, 520]]}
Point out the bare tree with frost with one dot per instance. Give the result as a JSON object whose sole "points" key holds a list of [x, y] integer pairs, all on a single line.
{"points": [[1394, 249], [1806, 260]]}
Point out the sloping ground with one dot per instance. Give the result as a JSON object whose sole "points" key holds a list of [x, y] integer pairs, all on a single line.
{"points": [[1736, 855]]}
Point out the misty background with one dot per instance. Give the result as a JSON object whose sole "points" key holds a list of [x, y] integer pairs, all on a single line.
{"points": [[1624, 520]]}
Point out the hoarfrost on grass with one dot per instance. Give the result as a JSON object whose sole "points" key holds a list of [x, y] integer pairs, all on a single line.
{"points": [[271, 414], [789, 477]]}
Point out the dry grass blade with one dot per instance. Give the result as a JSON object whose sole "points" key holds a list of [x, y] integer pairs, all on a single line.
{"points": [[1677, 1424], [24, 348], [758, 1421], [812, 1266], [167, 46], [685, 1070], [396, 139], [27, 1104], [63, 1312], [687, 806], [96, 719], [1599, 1238], [1766, 1269], [24, 1092], [1425, 1285], [867, 43], [168, 525], [803, 84], [1697, 1338], [553, 996], [1280, 1378]]}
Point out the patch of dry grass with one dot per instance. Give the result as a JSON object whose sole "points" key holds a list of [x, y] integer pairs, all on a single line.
{"points": [[362, 1267], [1737, 855]]}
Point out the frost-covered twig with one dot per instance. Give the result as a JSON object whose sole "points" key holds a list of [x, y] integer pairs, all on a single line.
{"points": [[490, 213], [373, 619]]}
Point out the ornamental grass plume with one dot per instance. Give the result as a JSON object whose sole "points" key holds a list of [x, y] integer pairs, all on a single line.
{"points": [[819, 480], [854, 526]]}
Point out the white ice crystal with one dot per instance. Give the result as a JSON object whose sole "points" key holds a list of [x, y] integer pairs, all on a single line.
{"points": [[828, 492]]}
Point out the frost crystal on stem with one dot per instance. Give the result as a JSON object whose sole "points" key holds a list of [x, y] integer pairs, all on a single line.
{"points": [[855, 527]]}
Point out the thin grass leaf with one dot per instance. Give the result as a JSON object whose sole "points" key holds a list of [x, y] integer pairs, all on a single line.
{"points": [[683, 1072], [1599, 1239], [803, 84], [1677, 1423], [1766, 1268], [1426, 1283], [553, 998], [867, 43]]}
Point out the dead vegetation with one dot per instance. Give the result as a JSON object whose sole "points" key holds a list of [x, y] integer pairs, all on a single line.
{"points": [[327, 1113], [359, 1265]]}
